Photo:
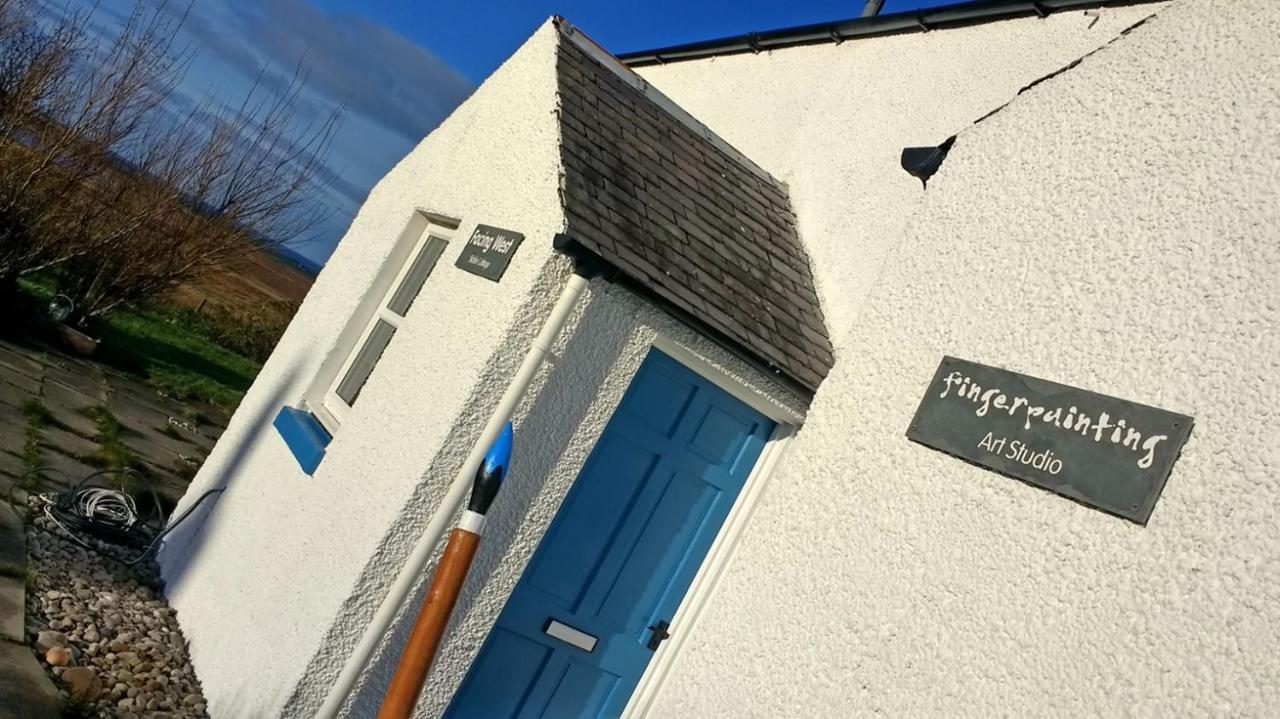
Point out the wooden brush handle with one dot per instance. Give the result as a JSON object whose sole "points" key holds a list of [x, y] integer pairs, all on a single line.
{"points": [[428, 630]]}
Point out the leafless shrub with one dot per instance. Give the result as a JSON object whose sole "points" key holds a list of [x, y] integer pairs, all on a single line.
{"points": [[99, 178]]}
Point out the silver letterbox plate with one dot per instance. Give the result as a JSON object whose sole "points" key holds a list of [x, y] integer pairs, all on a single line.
{"points": [[569, 635]]}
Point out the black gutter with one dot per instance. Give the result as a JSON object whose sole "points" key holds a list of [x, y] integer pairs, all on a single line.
{"points": [[591, 265], [960, 14]]}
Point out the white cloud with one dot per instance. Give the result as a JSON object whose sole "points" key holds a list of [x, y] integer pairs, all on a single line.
{"points": [[394, 91]]}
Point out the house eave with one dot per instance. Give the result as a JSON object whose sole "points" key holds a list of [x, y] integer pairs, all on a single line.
{"points": [[948, 16], [593, 266]]}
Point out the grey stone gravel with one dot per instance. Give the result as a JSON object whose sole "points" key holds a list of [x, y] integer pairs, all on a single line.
{"points": [[128, 656]]}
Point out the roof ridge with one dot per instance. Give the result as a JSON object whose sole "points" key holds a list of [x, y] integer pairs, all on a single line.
{"points": [[571, 32], [678, 215]]}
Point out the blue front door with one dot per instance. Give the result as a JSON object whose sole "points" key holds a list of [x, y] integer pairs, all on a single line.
{"points": [[575, 636]]}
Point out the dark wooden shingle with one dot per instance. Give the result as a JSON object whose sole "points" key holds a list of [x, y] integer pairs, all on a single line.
{"points": [[685, 216]]}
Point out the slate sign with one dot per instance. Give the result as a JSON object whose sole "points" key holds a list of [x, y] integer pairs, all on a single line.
{"points": [[489, 251], [1105, 452]]}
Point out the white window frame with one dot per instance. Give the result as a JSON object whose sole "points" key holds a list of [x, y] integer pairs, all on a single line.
{"points": [[323, 400]]}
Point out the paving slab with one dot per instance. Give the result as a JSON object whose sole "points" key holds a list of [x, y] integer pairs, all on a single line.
{"points": [[21, 360], [212, 434], [11, 467], [67, 471], [80, 377], [134, 399], [70, 385], [13, 539], [188, 445], [197, 441], [204, 442], [166, 485], [151, 452], [67, 406], [13, 562], [13, 608], [13, 395], [68, 443], [13, 429], [214, 417], [25, 690]]}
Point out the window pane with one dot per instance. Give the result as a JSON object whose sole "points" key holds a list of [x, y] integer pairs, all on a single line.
{"points": [[362, 367], [416, 276]]}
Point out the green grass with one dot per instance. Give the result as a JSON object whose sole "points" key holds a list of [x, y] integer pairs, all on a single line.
{"points": [[27, 573], [175, 361], [39, 286], [37, 414], [172, 432], [172, 356], [193, 415], [153, 344], [37, 417], [112, 453]]}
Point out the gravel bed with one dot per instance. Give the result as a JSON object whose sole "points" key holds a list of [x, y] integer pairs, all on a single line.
{"points": [[106, 631]]}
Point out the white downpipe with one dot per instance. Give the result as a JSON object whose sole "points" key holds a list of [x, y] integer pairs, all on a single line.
{"points": [[453, 498]]}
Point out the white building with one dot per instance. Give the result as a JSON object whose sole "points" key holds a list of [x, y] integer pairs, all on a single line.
{"points": [[773, 293]]}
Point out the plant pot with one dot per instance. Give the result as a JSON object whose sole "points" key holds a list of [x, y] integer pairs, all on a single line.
{"points": [[76, 341]]}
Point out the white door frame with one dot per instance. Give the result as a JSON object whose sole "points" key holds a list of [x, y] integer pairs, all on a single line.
{"points": [[718, 556]]}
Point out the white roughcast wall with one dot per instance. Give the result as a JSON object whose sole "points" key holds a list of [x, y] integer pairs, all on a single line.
{"points": [[274, 581], [831, 121], [1113, 228]]}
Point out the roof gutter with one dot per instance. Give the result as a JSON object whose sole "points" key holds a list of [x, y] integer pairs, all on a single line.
{"points": [[867, 26]]}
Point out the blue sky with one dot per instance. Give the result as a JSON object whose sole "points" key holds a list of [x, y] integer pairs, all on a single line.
{"points": [[401, 66], [475, 37]]}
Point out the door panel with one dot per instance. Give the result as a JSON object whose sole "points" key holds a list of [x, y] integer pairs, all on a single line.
{"points": [[591, 519], [680, 511], [717, 438], [621, 552], [582, 689], [659, 396], [515, 664]]}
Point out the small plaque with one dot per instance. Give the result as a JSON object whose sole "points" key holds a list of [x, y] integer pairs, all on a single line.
{"points": [[489, 251], [1105, 452]]}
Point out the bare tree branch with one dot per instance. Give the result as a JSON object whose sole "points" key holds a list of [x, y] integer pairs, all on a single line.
{"points": [[99, 179]]}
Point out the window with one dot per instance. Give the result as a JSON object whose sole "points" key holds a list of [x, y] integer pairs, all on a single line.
{"points": [[375, 323]]}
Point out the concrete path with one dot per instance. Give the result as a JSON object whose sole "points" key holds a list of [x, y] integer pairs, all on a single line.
{"points": [[167, 439], [25, 689], [13, 564]]}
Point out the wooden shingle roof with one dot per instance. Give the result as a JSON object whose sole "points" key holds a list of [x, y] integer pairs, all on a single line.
{"points": [[659, 196]]}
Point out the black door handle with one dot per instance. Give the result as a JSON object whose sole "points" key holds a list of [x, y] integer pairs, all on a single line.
{"points": [[659, 633]]}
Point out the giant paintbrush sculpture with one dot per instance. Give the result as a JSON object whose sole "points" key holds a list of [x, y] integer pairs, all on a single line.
{"points": [[451, 573]]}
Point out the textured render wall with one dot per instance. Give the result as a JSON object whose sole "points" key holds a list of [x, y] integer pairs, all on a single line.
{"points": [[1113, 228], [557, 426], [830, 121], [282, 573]]}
